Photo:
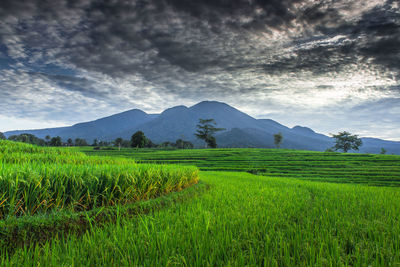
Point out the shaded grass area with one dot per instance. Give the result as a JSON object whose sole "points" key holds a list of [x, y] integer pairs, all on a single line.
{"points": [[243, 220], [36, 180], [372, 169]]}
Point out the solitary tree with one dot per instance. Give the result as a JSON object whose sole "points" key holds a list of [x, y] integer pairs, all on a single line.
{"points": [[118, 142], [346, 141], [2, 136], [212, 142], [70, 142], [383, 151], [206, 130], [179, 143], [139, 140], [56, 141], [47, 138], [95, 142], [278, 139], [182, 144], [80, 142]]}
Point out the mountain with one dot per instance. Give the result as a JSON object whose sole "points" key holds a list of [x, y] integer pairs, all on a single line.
{"points": [[41, 133], [241, 130], [181, 121], [101, 128], [273, 125], [374, 146], [98, 129], [251, 137], [303, 130]]}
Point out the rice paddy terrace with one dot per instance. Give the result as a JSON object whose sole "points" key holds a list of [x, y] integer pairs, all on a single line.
{"points": [[34, 179], [329, 167], [287, 216]]}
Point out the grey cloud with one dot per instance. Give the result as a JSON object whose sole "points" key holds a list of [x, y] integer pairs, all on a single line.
{"points": [[123, 37], [255, 14], [376, 36], [73, 83], [132, 51], [317, 59], [325, 86]]}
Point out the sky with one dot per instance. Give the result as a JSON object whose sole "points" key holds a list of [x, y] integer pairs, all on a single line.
{"points": [[328, 65]]}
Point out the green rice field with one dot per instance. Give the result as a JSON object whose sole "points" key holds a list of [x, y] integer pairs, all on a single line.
{"points": [[251, 207], [319, 166], [36, 180]]}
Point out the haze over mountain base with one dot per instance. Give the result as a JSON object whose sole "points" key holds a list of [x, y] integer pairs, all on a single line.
{"points": [[180, 122]]}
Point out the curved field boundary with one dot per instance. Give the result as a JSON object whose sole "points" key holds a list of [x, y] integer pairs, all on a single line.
{"points": [[243, 220], [36, 180], [31, 230]]}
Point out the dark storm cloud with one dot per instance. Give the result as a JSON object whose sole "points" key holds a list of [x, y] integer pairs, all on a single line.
{"points": [[123, 37], [376, 36], [72, 83], [141, 52], [260, 13], [317, 59]]}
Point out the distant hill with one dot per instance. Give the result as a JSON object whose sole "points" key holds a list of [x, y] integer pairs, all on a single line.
{"points": [[181, 121], [99, 129], [177, 122]]}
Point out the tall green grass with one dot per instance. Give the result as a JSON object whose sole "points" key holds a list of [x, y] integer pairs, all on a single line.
{"points": [[36, 180], [243, 220], [18, 153]]}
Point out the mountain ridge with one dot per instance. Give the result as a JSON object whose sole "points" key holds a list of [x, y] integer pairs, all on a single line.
{"points": [[241, 129]]}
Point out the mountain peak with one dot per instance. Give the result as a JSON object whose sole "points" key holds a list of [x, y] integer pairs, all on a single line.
{"points": [[208, 103], [174, 109], [177, 122], [303, 129]]}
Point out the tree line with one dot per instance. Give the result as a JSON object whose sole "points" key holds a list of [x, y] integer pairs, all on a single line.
{"points": [[47, 141], [206, 129], [205, 132], [138, 140]]}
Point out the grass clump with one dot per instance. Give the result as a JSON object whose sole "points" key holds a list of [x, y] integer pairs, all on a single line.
{"points": [[35, 230], [55, 179]]}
